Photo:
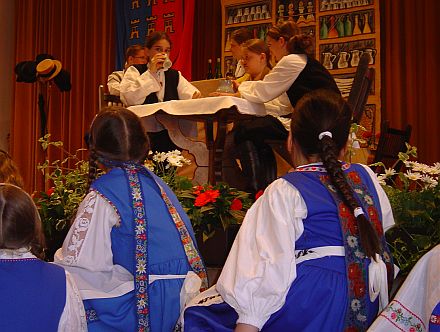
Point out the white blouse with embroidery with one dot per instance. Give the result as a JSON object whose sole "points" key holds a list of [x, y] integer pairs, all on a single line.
{"points": [[73, 317], [135, 87], [261, 264], [87, 253]]}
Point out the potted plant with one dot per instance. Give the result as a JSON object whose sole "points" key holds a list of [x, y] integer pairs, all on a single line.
{"points": [[216, 213], [414, 194]]}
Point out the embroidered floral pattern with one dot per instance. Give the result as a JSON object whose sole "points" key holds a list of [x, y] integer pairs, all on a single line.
{"points": [[91, 316], [80, 229], [403, 318], [141, 254], [188, 245], [356, 317]]}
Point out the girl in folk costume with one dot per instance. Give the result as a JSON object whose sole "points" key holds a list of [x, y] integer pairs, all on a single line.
{"points": [[156, 82], [35, 295], [311, 253], [131, 246]]}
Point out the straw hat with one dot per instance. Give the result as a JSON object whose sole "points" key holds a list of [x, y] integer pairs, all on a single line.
{"points": [[48, 69]]}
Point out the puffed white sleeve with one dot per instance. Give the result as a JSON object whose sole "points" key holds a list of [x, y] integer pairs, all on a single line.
{"points": [[135, 87], [73, 318], [114, 82], [261, 264], [87, 251], [185, 89], [279, 80], [385, 206]]}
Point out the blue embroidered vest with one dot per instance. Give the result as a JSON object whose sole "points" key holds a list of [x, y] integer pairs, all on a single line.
{"points": [[340, 229], [114, 187], [32, 295]]}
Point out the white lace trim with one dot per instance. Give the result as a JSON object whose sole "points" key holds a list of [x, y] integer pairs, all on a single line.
{"points": [[80, 230]]}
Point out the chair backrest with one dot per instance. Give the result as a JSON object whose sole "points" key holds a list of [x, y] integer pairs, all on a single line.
{"points": [[360, 88], [391, 142], [106, 99]]}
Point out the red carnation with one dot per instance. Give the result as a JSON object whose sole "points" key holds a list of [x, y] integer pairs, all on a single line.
{"points": [[236, 204], [50, 191], [259, 193]]}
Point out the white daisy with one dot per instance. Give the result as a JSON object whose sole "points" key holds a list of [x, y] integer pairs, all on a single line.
{"points": [[414, 176], [355, 305], [352, 241]]}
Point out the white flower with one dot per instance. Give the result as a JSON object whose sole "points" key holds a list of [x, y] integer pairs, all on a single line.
{"points": [[359, 254], [140, 229], [413, 175], [160, 157], [389, 172], [434, 170], [419, 167], [368, 199], [429, 182], [381, 178], [355, 305], [352, 241], [361, 318]]}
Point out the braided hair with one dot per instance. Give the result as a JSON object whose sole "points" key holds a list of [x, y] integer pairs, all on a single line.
{"points": [[320, 126], [116, 134]]}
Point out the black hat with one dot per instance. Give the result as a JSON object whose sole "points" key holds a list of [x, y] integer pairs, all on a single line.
{"points": [[26, 71]]}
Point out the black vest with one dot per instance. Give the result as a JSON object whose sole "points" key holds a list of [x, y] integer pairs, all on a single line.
{"points": [[171, 83], [314, 76]]}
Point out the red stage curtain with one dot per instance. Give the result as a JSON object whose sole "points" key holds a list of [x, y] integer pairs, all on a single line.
{"points": [[81, 35], [207, 36], [411, 73]]}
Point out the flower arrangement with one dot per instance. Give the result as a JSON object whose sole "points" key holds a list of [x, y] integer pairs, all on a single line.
{"points": [[165, 165], [213, 207], [414, 194], [208, 207], [67, 188]]}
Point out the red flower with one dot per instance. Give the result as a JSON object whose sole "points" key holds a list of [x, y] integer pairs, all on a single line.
{"points": [[197, 190], [206, 197], [358, 287], [351, 329], [354, 272], [50, 191], [259, 193], [354, 177], [236, 204], [344, 211]]}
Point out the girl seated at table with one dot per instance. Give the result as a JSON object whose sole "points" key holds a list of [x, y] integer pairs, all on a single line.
{"points": [[35, 295], [131, 245], [311, 253], [156, 82], [246, 141]]}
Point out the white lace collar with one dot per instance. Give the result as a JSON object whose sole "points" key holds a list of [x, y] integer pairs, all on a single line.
{"points": [[21, 253]]}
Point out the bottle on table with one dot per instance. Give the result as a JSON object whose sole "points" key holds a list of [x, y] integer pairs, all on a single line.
{"points": [[218, 69], [209, 75]]}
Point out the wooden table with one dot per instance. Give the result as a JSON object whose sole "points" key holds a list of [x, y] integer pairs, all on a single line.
{"points": [[214, 112]]}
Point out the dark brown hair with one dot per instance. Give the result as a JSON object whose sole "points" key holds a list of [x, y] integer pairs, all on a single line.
{"points": [[133, 50], [258, 46], [286, 29], [154, 37], [241, 35], [297, 42], [20, 224], [117, 135], [9, 171], [323, 110]]}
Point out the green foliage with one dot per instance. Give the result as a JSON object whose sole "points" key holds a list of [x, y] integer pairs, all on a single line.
{"points": [[415, 200], [67, 188]]}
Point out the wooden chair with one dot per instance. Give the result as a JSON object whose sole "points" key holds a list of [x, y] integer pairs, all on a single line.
{"points": [[391, 142], [106, 99], [360, 88]]}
